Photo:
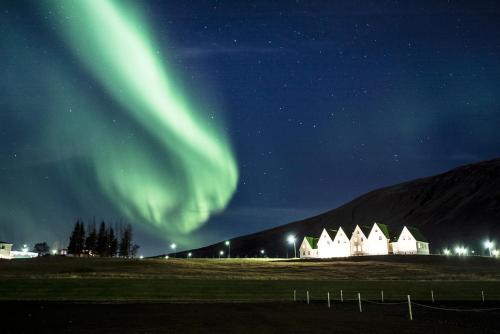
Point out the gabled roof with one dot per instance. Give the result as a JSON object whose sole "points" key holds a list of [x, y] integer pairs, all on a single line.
{"points": [[385, 229], [416, 233], [347, 231], [313, 242], [4, 242], [365, 229]]}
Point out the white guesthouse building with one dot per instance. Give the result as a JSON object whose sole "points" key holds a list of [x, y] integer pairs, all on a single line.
{"points": [[309, 248], [5, 249], [410, 241], [363, 241]]}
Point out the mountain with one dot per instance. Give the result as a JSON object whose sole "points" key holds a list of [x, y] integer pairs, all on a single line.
{"points": [[461, 206]]}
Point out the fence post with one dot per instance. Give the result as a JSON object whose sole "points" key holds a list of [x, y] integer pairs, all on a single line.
{"points": [[409, 307], [359, 302], [341, 296], [307, 293], [328, 297], [294, 295], [482, 295], [432, 295], [382, 295]]}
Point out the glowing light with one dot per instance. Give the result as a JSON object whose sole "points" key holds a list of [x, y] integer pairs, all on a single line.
{"points": [[495, 252], [173, 246], [488, 244], [190, 254], [141, 257], [459, 250], [446, 251], [227, 243], [166, 256], [262, 252], [54, 251], [291, 239], [177, 169]]}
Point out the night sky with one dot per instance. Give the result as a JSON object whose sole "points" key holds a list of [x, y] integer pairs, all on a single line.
{"points": [[198, 121]]}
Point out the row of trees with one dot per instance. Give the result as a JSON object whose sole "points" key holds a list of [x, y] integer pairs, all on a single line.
{"points": [[105, 242]]}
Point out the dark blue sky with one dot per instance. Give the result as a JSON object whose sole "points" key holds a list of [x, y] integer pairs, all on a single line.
{"points": [[322, 101]]}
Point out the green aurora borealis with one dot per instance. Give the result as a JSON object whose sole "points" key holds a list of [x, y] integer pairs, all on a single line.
{"points": [[192, 172]]}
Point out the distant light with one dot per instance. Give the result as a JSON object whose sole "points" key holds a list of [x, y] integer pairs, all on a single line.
{"points": [[173, 246], [54, 251], [141, 257], [488, 244], [166, 256], [262, 251], [461, 250], [446, 251], [221, 253], [190, 254], [227, 242], [25, 248], [495, 252], [291, 239]]}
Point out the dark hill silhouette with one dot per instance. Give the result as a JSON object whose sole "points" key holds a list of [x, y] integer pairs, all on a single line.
{"points": [[459, 206]]}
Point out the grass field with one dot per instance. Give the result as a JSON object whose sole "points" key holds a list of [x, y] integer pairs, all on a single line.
{"points": [[246, 280], [81, 295]]}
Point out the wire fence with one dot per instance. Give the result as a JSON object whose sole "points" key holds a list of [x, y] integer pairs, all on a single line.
{"points": [[407, 302]]}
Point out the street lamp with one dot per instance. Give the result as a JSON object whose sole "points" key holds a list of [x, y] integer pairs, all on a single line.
{"points": [[221, 253], [291, 240], [446, 251], [489, 245], [228, 244], [190, 254], [54, 251], [262, 252], [173, 247]]}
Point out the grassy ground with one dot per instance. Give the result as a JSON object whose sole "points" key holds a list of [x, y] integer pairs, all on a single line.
{"points": [[59, 278], [80, 295]]}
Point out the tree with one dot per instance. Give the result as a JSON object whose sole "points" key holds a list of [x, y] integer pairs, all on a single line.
{"points": [[113, 243], [126, 241], [42, 248], [91, 240], [134, 250], [77, 238], [102, 240]]}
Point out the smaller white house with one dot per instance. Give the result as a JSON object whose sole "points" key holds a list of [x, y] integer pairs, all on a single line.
{"points": [[341, 243], [325, 244], [309, 248], [359, 242], [5, 249], [379, 240], [411, 241]]}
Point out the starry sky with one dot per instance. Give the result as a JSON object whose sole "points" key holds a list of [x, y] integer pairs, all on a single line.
{"points": [[203, 120]]}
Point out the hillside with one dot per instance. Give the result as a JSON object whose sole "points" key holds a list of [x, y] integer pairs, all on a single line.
{"points": [[459, 206]]}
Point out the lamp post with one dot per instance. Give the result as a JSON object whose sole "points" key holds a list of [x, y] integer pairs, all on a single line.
{"points": [[291, 240], [221, 253], [228, 244], [262, 252], [173, 247], [190, 254], [489, 245]]}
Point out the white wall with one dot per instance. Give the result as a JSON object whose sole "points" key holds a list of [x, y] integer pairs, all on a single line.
{"points": [[378, 244], [406, 243], [358, 242], [305, 250], [341, 244], [325, 245], [5, 251]]}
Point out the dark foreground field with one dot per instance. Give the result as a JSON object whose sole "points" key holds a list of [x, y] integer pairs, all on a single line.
{"points": [[240, 318], [64, 295]]}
